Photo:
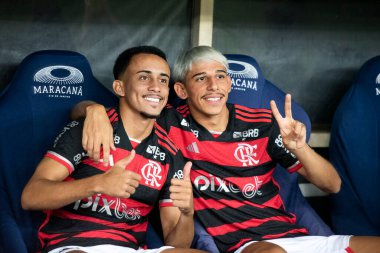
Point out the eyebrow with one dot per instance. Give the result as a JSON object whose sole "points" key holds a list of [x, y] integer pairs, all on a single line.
{"points": [[150, 72], [217, 71]]}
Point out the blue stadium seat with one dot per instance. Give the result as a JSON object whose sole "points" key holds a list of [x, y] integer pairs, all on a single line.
{"points": [[355, 153], [250, 88], [34, 107]]}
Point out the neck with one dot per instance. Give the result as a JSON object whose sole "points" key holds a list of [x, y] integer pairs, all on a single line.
{"points": [[137, 126], [217, 122]]}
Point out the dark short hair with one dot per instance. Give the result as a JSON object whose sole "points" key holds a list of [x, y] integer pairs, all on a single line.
{"points": [[125, 57]]}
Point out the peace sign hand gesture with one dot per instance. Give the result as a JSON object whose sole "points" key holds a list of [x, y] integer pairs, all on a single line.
{"points": [[292, 131]]}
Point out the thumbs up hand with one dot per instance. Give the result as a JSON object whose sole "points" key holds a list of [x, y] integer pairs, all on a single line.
{"points": [[181, 192], [119, 181]]}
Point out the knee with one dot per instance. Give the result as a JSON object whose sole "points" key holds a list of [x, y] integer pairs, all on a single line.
{"points": [[263, 247]]}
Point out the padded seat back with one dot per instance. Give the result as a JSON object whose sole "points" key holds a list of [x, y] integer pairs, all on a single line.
{"points": [[34, 108], [355, 153]]}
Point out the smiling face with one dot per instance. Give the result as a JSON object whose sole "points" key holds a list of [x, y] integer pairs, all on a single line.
{"points": [[144, 86], [206, 88]]}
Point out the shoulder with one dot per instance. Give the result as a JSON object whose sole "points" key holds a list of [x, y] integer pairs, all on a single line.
{"points": [[164, 140], [247, 114]]}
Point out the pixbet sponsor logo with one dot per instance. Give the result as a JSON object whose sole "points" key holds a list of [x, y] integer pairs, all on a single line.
{"points": [[101, 204], [216, 184]]}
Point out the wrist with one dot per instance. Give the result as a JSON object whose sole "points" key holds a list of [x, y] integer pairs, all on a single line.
{"points": [[94, 108]]}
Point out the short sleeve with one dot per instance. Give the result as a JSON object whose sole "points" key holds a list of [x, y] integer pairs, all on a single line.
{"points": [[67, 148], [278, 152]]}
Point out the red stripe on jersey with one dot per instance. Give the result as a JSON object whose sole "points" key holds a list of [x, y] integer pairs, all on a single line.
{"points": [[165, 140], [55, 241], [295, 167], [237, 154], [148, 169], [293, 231], [239, 244], [183, 110], [253, 110], [253, 120], [113, 116], [201, 203], [121, 225], [63, 162], [253, 116], [228, 228], [349, 250], [110, 233], [217, 204]]}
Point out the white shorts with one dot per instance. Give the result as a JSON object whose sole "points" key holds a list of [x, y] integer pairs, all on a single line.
{"points": [[310, 244], [108, 248]]}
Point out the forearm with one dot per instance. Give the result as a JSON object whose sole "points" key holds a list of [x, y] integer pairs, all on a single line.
{"points": [[182, 234], [318, 170], [43, 194], [79, 110]]}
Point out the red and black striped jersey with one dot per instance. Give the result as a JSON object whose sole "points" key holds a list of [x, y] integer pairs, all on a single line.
{"points": [[103, 219], [235, 195]]}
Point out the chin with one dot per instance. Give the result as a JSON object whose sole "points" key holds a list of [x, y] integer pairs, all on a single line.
{"points": [[149, 115]]}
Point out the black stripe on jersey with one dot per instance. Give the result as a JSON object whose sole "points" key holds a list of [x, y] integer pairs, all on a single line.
{"points": [[127, 237], [229, 240], [163, 136], [245, 212], [230, 171]]}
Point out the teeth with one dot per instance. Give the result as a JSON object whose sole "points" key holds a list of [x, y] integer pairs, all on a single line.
{"points": [[213, 99], [156, 100]]}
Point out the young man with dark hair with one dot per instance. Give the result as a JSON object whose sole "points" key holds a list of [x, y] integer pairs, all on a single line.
{"points": [[97, 207]]}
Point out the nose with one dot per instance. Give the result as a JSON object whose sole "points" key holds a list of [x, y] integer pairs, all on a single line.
{"points": [[155, 85], [212, 84]]}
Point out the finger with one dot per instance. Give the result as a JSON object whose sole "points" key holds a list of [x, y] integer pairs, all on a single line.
{"points": [[133, 177], [130, 189], [90, 148], [96, 149], [111, 140], [288, 106], [177, 196], [106, 152], [298, 128], [84, 141], [126, 160], [187, 171], [277, 115]]}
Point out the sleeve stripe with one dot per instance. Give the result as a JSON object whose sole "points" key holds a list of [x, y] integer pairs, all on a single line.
{"points": [[295, 167], [62, 160], [165, 202]]}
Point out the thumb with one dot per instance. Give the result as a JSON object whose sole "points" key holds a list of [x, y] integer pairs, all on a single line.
{"points": [[186, 171], [123, 163]]}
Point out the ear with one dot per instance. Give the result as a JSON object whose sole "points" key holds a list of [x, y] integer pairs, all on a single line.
{"points": [[180, 89], [118, 88]]}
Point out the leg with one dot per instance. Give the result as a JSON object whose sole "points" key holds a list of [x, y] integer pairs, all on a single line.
{"points": [[365, 244], [263, 247]]}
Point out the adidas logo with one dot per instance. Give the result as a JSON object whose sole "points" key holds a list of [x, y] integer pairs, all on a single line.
{"points": [[193, 147], [184, 123]]}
